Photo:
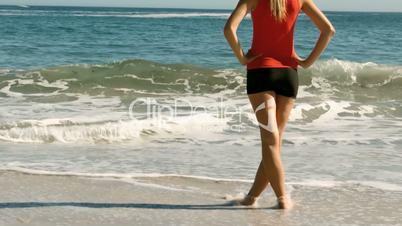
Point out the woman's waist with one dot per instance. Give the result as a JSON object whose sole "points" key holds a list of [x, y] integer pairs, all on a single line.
{"points": [[274, 61], [275, 57], [270, 44]]}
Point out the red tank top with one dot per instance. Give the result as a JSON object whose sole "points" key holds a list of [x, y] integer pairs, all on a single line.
{"points": [[273, 39]]}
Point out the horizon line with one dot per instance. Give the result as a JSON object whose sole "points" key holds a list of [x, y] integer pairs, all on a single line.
{"points": [[137, 7]]}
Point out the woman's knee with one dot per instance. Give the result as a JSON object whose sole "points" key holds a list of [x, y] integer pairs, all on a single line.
{"points": [[270, 142], [266, 116], [270, 137], [270, 154]]}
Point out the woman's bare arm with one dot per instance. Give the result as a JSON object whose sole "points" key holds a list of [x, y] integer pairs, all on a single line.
{"points": [[326, 28], [230, 30]]}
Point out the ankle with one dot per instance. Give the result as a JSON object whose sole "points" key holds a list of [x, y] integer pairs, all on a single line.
{"points": [[283, 198], [254, 198], [285, 202]]}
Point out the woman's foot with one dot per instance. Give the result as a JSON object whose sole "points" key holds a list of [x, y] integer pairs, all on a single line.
{"points": [[284, 202], [248, 200], [242, 200]]}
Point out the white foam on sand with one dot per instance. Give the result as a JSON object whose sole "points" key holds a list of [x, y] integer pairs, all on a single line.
{"points": [[379, 185], [116, 175], [128, 177]]}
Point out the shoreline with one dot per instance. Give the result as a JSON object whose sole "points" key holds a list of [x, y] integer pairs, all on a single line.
{"points": [[44, 200]]}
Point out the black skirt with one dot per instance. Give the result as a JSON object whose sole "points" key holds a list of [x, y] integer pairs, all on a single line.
{"points": [[284, 81]]}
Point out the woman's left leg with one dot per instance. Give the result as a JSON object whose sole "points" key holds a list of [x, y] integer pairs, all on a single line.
{"points": [[284, 106]]}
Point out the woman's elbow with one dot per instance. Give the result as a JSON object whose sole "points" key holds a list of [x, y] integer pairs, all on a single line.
{"points": [[332, 31], [228, 30], [329, 30]]}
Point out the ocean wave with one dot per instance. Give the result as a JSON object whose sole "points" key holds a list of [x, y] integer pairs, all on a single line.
{"points": [[91, 102], [365, 75], [67, 131], [352, 81], [194, 129], [137, 76], [336, 77], [104, 130]]}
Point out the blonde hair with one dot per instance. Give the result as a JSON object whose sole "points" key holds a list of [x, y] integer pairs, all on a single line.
{"points": [[278, 9]]}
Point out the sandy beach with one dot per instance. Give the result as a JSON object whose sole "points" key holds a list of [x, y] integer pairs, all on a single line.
{"points": [[66, 200]]}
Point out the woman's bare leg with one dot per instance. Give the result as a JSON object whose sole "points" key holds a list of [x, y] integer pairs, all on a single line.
{"points": [[284, 108], [284, 105]]}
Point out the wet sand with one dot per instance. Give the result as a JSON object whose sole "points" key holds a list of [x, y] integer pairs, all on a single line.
{"points": [[69, 200]]}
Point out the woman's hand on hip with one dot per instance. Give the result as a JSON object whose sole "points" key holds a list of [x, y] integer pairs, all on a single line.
{"points": [[301, 62], [248, 58]]}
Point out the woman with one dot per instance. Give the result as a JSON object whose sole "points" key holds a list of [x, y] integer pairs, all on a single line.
{"points": [[272, 78]]}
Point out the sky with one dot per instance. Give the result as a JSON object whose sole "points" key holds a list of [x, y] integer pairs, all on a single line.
{"points": [[336, 5]]}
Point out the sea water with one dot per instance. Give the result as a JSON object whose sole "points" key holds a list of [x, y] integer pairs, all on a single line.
{"points": [[138, 92]]}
